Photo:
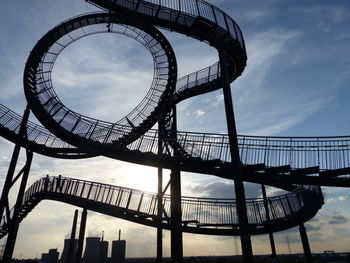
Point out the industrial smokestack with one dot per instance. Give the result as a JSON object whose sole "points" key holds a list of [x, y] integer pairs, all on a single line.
{"points": [[81, 236], [71, 257]]}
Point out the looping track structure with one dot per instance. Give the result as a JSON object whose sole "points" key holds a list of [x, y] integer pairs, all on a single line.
{"points": [[282, 162]]}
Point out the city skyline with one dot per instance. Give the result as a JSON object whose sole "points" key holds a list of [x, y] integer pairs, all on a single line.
{"points": [[294, 85]]}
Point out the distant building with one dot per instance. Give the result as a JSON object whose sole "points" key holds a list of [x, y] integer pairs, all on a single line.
{"points": [[118, 251], [92, 253], [51, 257], [44, 258], [104, 251]]}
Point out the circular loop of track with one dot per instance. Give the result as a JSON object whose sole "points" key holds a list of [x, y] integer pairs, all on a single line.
{"points": [[59, 119]]}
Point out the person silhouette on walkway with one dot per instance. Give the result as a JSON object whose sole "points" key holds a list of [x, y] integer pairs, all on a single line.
{"points": [[46, 182], [58, 183]]}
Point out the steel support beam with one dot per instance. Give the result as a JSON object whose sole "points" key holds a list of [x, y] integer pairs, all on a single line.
{"points": [[13, 225], [160, 215], [305, 242], [176, 217], [10, 173], [247, 250], [13, 222], [170, 125], [272, 240], [161, 129]]}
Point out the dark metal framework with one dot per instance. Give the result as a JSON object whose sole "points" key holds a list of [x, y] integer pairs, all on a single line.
{"points": [[283, 162]]}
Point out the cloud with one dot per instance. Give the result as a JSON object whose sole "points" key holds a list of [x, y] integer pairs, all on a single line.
{"points": [[218, 99], [218, 189], [103, 79], [338, 219], [223, 189], [336, 199], [311, 228], [199, 113]]}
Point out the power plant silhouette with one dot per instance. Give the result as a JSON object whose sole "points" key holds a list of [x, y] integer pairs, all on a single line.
{"points": [[96, 250]]}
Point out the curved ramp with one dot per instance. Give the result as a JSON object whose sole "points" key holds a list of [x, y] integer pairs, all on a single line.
{"points": [[288, 160], [199, 215]]}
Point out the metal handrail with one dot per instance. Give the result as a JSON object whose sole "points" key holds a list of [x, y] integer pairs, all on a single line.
{"points": [[300, 152], [36, 133], [205, 212]]}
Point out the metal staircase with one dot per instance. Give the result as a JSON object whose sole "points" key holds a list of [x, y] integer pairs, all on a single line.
{"points": [[199, 215], [316, 160]]}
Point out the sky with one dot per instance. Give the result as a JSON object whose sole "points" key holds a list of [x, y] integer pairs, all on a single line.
{"points": [[295, 84]]}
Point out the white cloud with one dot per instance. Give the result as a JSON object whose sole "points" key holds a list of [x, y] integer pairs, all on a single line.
{"points": [[199, 113], [336, 199]]}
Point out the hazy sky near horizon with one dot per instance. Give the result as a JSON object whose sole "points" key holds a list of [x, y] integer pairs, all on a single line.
{"points": [[295, 84]]}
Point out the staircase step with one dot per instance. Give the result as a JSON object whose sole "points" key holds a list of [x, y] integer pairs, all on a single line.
{"points": [[277, 169], [305, 171], [255, 167], [186, 222], [335, 172]]}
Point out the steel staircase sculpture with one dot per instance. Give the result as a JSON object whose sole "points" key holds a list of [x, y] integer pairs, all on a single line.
{"points": [[284, 162], [199, 215]]}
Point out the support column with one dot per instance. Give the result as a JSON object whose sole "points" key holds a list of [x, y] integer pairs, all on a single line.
{"points": [[176, 217], [170, 133], [305, 242], [247, 250], [272, 240], [8, 182], [72, 238], [160, 215], [161, 128], [13, 224], [81, 236]]}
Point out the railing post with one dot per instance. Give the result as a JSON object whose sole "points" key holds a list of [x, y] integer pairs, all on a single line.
{"points": [[212, 9], [129, 199], [197, 7], [318, 153], [88, 195]]}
